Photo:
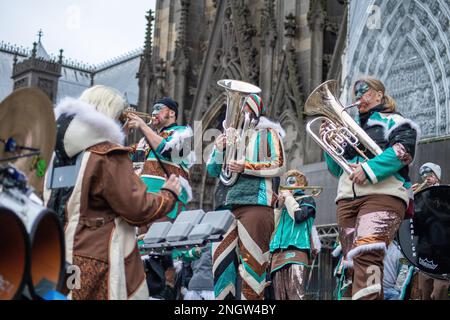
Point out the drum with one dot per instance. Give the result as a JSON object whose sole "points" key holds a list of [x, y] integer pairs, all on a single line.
{"points": [[32, 253], [425, 239], [32, 259]]}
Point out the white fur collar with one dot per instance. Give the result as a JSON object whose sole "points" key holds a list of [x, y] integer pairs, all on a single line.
{"points": [[89, 127], [402, 122], [265, 123], [372, 123]]}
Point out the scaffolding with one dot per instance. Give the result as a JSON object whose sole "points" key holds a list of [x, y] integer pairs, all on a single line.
{"points": [[321, 283]]}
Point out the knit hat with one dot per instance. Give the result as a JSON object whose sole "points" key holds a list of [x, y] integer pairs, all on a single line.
{"points": [[431, 166], [169, 103], [255, 103]]}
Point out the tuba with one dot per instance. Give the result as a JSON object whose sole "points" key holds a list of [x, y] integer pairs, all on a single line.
{"points": [[236, 125], [340, 130]]}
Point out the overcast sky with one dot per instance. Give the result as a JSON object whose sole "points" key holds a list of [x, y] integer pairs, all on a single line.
{"points": [[90, 31]]}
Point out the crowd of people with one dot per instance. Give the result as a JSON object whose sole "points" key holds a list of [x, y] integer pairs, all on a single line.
{"points": [[270, 248]]}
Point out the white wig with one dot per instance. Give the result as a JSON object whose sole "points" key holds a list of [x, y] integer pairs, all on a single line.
{"points": [[106, 100]]}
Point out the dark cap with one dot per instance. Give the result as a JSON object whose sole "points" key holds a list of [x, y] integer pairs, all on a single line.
{"points": [[169, 103]]}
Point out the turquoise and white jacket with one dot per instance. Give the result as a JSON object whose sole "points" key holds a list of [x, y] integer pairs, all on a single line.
{"points": [[170, 153], [264, 161], [294, 226], [387, 172]]}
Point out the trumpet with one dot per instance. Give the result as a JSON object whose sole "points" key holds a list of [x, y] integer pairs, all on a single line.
{"points": [[315, 191], [419, 187], [148, 118]]}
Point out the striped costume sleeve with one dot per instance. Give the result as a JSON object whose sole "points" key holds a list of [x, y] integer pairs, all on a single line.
{"points": [[268, 160]]}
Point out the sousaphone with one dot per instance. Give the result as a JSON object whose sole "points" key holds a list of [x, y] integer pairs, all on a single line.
{"points": [[31, 237]]}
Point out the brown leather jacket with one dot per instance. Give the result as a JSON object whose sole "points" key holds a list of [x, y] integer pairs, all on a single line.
{"points": [[108, 202]]}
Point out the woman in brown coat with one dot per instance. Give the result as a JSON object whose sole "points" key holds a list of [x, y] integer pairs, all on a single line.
{"points": [[108, 201]]}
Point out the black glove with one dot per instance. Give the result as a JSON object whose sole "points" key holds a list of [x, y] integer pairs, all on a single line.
{"points": [[304, 213]]}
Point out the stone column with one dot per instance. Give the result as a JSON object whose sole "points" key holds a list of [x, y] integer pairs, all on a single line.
{"points": [[316, 22], [268, 42]]}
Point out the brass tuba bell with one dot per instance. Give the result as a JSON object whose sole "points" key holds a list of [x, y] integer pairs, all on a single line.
{"points": [[340, 128], [237, 93]]}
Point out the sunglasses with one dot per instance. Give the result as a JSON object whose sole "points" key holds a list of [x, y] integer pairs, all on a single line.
{"points": [[361, 88]]}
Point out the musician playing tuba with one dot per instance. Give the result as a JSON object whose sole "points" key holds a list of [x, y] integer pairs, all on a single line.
{"points": [[295, 241], [251, 198], [373, 199]]}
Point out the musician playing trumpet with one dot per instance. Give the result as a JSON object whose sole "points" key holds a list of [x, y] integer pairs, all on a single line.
{"points": [[161, 151], [431, 176], [372, 201], [295, 241]]}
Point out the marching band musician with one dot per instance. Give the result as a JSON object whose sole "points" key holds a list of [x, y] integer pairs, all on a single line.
{"points": [[431, 174], [160, 153], [251, 200], [372, 201], [430, 288], [167, 140], [294, 243], [107, 201]]}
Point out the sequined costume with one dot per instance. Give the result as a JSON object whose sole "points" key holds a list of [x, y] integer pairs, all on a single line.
{"points": [[294, 244]]}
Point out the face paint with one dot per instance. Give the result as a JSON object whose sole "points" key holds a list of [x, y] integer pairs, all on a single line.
{"points": [[425, 172], [361, 88], [291, 181], [157, 108]]}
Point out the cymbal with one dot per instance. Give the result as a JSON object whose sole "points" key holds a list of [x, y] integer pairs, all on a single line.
{"points": [[27, 116]]}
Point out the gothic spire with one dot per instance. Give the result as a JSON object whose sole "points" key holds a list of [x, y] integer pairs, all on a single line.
{"points": [[268, 23], [40, 35], [149, 33]]}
